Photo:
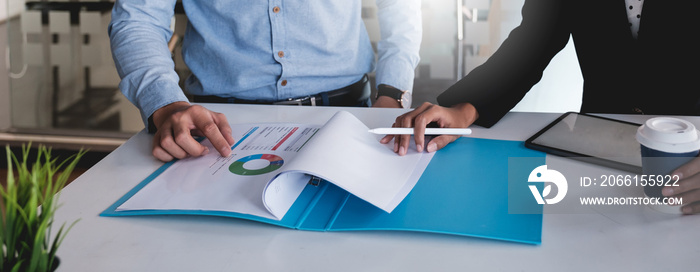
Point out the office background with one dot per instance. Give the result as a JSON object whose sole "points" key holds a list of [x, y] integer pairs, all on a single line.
{"points": [[58, 81]]}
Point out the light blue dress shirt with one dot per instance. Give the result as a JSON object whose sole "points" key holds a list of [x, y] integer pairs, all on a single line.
{"points": [[260, 50]]}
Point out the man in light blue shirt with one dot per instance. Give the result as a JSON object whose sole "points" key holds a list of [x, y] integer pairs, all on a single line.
{"points": [[254, 51]]}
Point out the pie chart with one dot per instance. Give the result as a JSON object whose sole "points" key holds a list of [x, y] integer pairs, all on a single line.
{"points": [[239, 167]]}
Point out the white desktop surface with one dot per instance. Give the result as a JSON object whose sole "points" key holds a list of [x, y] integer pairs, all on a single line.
{"points": [[633, 241]]}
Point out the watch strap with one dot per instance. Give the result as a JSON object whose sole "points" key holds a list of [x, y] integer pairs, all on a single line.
{"points": [[386, 90]]}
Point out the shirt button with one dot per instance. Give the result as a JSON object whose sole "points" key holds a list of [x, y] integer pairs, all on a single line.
{"points": [[276, 9], [280, 54], [283, 83]]}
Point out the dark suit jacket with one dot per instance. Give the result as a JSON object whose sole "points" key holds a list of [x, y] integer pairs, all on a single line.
{"points": [[655, 74]]}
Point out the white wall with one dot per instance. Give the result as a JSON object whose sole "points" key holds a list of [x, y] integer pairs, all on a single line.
{"points": [[3, 10], [4, 81], [14, 9]]}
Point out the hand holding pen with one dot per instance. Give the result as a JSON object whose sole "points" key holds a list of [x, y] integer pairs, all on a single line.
{"points": [[458, 116]]}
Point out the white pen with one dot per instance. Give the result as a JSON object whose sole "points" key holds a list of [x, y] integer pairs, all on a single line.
{"points": [[428, 131]]}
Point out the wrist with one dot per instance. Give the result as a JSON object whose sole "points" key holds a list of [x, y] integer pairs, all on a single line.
{"points": [[402, 98], [160, 115], [468, 112]]}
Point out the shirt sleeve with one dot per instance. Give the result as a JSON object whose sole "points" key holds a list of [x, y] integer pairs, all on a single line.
{"points": [[400, 26], [139, 33]]}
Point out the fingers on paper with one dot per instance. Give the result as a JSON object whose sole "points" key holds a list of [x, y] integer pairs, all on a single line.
{"points": [[401, 142], [419, 119], [386, 139], [158, 151], [407, 120], [429, 113], [174, 137], [165, 146], [215, 127]]}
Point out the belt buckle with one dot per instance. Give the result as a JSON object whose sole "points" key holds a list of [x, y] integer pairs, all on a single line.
{"points": [[297, 101]]}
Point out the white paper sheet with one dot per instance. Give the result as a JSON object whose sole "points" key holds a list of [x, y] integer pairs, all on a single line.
{"points": [[271, 164], [344, 153], [234, 183]]}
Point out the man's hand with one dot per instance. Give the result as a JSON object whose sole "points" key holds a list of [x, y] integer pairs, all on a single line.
{"points": [[458, 116], [177, 122], [688, 187]]}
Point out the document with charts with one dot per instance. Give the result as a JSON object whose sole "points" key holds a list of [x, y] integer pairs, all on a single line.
{"points": [[272, 163]]}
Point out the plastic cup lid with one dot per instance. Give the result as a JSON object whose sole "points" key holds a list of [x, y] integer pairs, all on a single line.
{"points": [[668, 134]]}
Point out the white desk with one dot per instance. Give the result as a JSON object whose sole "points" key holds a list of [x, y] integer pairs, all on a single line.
{"points": [[633, 241]]}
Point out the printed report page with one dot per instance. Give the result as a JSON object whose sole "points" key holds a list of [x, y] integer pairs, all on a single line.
{"points": [[234, 183]]}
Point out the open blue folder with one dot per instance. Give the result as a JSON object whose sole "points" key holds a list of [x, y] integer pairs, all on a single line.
{"points": [[463, 191]]}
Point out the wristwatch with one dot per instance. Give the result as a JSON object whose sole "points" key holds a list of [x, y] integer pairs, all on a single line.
{"points": [[403, 97]]}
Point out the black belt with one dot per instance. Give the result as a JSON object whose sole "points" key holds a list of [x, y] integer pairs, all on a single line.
{"points": [[350, 95]]}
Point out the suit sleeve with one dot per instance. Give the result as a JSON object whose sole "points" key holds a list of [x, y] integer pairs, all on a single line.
{"points": [[501, 82]]}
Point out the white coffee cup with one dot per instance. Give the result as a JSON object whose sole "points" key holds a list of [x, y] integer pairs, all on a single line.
{"points": [[666, 144]]}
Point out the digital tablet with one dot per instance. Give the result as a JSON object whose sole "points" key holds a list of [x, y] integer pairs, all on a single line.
{"points": [[590, 138]]}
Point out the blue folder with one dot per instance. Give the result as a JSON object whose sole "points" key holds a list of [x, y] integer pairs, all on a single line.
{"points": [[463, 191]]}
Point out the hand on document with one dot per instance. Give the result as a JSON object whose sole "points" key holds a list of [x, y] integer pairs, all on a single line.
{"points": [[177, 122], [458, 116], [688, 187]]}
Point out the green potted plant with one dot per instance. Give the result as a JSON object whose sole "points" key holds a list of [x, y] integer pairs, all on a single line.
{"points": [[28, 203]]}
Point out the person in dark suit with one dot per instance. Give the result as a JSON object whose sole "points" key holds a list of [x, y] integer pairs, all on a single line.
{"points": [[636, 57]]}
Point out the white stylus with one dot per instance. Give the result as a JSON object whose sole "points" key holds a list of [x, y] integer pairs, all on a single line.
{"points": [[428, 131]]}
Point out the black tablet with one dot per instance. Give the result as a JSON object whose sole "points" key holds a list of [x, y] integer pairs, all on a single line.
{"points": [[590, 138]]}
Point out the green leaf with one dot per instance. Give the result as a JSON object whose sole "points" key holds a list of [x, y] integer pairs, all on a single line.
{"points": [[27, 206]]}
